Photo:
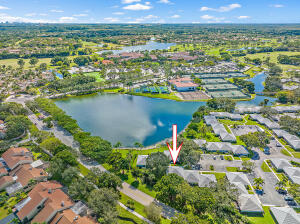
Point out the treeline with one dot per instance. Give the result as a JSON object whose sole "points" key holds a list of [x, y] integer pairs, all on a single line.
{"points": [[91, 146], [246, 85], [289, 60]]}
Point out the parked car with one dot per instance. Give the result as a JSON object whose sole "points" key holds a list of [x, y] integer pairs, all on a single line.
{"points": [[267, 151], [288, 198], [292, 203], [282, 191], [215, 157], [222, 157]]}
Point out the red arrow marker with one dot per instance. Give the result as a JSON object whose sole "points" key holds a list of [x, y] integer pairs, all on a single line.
{"points": [[175, 151]]}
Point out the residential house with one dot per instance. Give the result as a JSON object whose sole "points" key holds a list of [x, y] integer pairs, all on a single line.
{"points": [[69, 217], [249, 203], [206, 179], [292, 140], [293, 173], [280, 163], [226, 115], [14, 157], [183, 84], [234, 177], [210, 120], [240, 187], [141, 161], [226, 147], [285, 215], [5, 182]]}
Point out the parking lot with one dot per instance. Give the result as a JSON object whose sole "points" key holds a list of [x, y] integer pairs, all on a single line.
{"points": [[219, 164]]}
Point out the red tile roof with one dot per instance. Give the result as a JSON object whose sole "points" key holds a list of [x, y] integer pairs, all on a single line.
{"points": [[69, 217], [14, 156], [26, 172], [5, 179]]}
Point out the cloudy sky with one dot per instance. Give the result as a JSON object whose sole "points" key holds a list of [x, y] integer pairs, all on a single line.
{"points": [[150, 11]]}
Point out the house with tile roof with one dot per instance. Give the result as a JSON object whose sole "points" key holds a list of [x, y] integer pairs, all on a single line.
{"points": [[6, 181], [285, 215], [249, 203], [293, 173], [69, 217], [183, 84], [14, 157], [280, 163]]}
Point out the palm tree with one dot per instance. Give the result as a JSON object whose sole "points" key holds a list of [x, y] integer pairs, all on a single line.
{"points": [[259, 182], [280, 184]]}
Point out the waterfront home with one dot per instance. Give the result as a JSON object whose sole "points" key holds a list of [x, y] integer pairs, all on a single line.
{"points": [[293, 173], [183, 84], [285, 215], [226, 115], [141, 161], [210, 120], [225, 147], [279, 164]]}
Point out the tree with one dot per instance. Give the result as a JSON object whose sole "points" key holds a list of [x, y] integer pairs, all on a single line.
{"points": [[290, 124], [259, 182], [43, 67], [118, 145], [275, 70], [52, 145], [225, 104], [281, 184], [69, 174], [248, 166], [273, 84], [57, 166], [67, 157], [80, 188], [104, 179], [157, 163], [33, 61], [188, 219], [103, 202], [153, 212], [21, 63]]}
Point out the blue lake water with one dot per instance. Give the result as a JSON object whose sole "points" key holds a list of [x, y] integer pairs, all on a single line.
{"points": [[130, 119], [149, 46]]}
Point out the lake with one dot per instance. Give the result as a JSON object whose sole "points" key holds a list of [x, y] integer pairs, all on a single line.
{"points": [[149, 46], [130, 119]]}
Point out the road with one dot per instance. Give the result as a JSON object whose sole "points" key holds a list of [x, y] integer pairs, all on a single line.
{"points": [[68, 140]]}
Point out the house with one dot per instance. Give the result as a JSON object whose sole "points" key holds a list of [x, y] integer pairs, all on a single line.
{"points": [[210, 120], [293, 173], [227, 137], [206, 179], [238, 177], [225, 147], [292, 140], [279, 164], [5, 182], [14, 157], [239, 150], [191, 176], [240, 187], [285, 215], [107, 62], [200, 142], [249, 203], [44, 201], [141, 161], [69, 217], [218, 128], [177, 170], [226, 115], [183, 84]]}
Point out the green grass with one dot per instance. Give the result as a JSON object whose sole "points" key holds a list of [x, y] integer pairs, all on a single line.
{"points": [[36, 155], [218, 175], [125, 217], [229, 158], [3, 212], [83, 170], [265, 167], [97, 75], [138, 207], [265, 219], [245, 158], [170, 96], [285, 152], [232, 169], [296, 155]]}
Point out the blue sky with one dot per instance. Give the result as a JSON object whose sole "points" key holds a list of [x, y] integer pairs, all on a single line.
{"points": [[150, 11]]}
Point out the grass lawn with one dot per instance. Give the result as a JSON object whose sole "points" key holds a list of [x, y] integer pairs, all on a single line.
{"points": [[36, 155], [232, 169], [3, 212], [245, 158], [218, 175], [97, 75], [266, 219], [170, 96], [229, 158], [265, 167], [285, 152], [297, 155], [125, 217], [83, 170], [138, 207]]}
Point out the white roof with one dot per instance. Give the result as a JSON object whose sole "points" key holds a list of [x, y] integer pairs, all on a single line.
{"points": [[249, 203], [141, 160], [176, 169], [240, 187], [225, 136], [293, 173], [206, 179], [200, 142], [191, 176], [280, 163], [238, 177], [285, 215], [37, 163]]}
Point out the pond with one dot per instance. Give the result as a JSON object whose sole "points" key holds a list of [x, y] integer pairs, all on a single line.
{"points": [[149, 46], [130, 119]]}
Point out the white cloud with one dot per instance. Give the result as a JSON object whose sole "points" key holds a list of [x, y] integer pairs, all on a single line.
{"points": [[222, 8], [175, 16], [129, 1], [81, 15], [243, 17], [30, 14], [277, 6], [151, 17], [138, 7], [57, 11], [165, 1], [67, 19], [3, 7], [118, 13], [213, 18], [17, 19], [112, 19], [43, 14]]}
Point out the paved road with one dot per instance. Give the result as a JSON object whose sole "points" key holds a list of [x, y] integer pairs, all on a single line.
{"points": [[68, 139]]}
